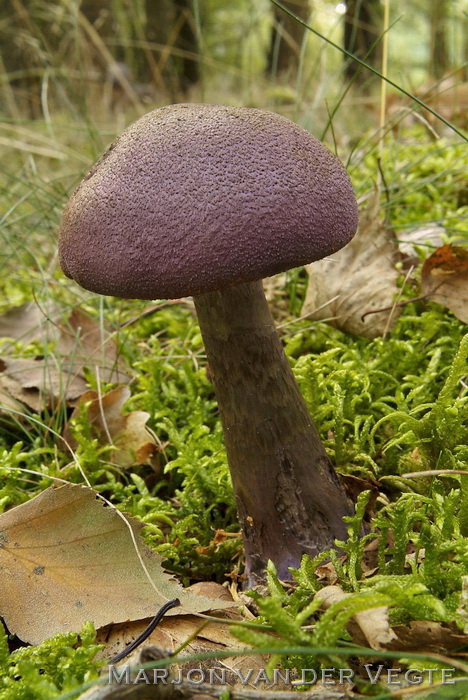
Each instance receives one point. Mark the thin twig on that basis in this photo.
(147, 631)
(397, 301)
(435, 472)
(403, 303)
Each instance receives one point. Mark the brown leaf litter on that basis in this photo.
(59, 377)
(67, 558)
(127, 432)
(444, 279)
(359, 278)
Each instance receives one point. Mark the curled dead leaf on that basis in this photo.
(421, 236)
(196, 635)
(372, 624)
(211, 589)
(169, 636)
(126, 431)
(359, 278)
(28, 323)
(85, 343)
(38, 384)
(426, 635)
(444, 279)
(326, 574)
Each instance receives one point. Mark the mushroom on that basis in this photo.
(205, 201)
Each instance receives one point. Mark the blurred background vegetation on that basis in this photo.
(99, 59)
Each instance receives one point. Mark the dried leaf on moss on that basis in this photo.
(27, 323)
(38, 384)
(444, 279)
(359, 278)
(126, 431)
(59, 377)
(66, 559)
(372, 623)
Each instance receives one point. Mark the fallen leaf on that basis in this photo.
(427, 235)
(372, 623)
(370, 558)
(43, 383)
(210, 589)
(77, 338)
(426, 636)
(27, 323)
(84, 343)
(66, 558)
(126, 431)
(171, 633)
(359, 278)
(12, 397)
(444, 279)
(326, 573)
(39, 384)
(169, 636)
(196, 636)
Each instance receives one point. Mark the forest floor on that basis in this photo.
(110, 398)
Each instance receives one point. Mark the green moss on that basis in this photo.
(60, 664)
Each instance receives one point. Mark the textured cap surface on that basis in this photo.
(192, 198)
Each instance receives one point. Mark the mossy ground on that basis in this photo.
(384, 408)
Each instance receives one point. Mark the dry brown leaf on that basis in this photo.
(211, 589)
(38, 384)
(14, 398)
(43, 383)
(204, 636)
(370, 558)
(326, 573)
(79, 340)
(426, 636)
(427, 235)
(373, 623)
(362, 276)
(27, 323)
(65, 558)
(444, 279)
(171, 633)
(84, 343)
(169, 636)
(126, 431)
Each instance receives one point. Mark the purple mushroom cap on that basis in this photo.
(192, 198)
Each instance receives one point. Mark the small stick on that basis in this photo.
(403, 303)
(147, 631)
(435, 472)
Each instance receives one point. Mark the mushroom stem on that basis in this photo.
(290, 501)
